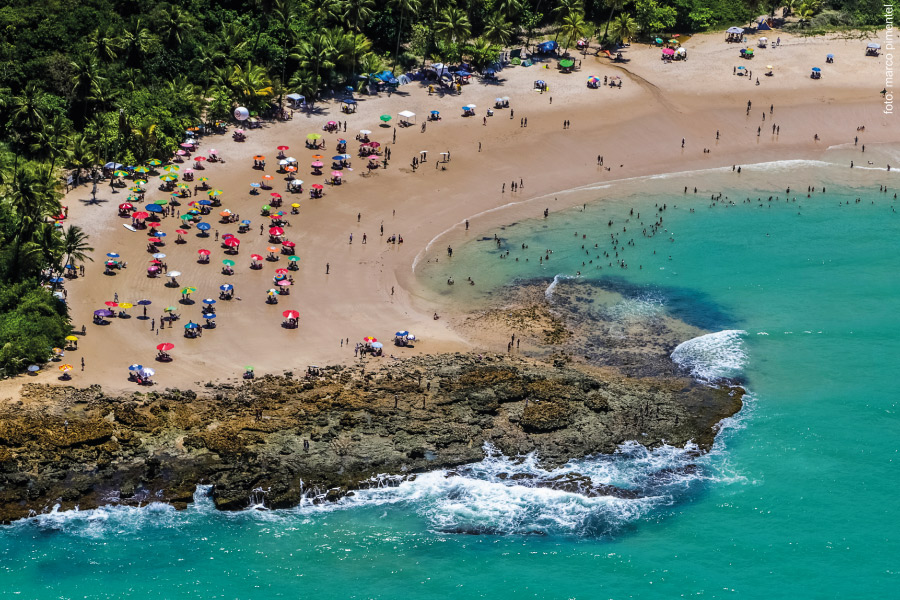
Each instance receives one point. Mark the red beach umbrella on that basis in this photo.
(165, 347)
(281, 271)
(181, 231)
(154, 224)
(255, 257)
(140, 216)
(283, 148)
(203, 252)
(317, 186)
(154, 240)
(291, 314)
(110, 303)
(288, 244)
(232, 242)
(276, 231)
(126, 206)
(276, 195)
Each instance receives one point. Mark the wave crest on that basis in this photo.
(713, 356)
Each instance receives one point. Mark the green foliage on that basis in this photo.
(653, 17)
(32, 323)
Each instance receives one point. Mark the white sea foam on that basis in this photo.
(548, 293)
(713, 356)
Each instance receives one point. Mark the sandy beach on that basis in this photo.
(659, 121)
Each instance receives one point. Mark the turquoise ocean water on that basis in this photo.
(797, 500)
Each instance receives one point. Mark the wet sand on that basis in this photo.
(371, 289)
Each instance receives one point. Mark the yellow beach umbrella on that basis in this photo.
(65, 368)
(171, 168)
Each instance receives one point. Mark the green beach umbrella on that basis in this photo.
(171, 168)
(169, 177)
(385, 118)
(567, 63)
(136, 189)
(187, 217)
(154, 162)
(140, 181)
(293, 258)
(228, 262)
(188, 290)
(313, 136)
(120, 173)
(162, 201)
(203, 179)
(141, 169)
(266, 207)
(216, 192)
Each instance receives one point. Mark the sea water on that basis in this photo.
(797, 498)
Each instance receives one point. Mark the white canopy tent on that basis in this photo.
(407, 115)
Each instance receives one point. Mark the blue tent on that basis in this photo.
(763, 25)
(547, 47)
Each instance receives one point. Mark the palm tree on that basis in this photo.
(50, 245)
(613, 5)
(509, 8)
(174, 25)
(564, 9)
(498, 30)
(251, 83)
(623, 28)
(135, 41)
(50, 141)
(482, 52)
(454, 26)
(80, 153)
(573, 27)
(85, 76)
(103, 46)
(403, 6)
(75, 245)
(314, 55)
(27, 114)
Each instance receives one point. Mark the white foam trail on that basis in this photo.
(712, 356)
(548, 293)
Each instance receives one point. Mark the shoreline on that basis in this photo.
(427, 201)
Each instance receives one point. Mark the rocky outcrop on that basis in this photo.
(281, 439)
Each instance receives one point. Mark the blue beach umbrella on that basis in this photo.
(209, 301)
(153, 208)
(205, 203)
(135, 367)
(34, 368)
(225, 287)
(160, 234)
(829, 56)
(112, 254)
(56, 280)
(254, 185)
(203, 226)
(144, 302)
(191, 326)
(402, 333)
(816, 69)
(209, 316)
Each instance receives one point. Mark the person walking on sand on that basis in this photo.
(327, 268)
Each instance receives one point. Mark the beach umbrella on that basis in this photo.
(377, 345)
(203, 252)
(255, 185)
(365, 131)
(125, 305)
(112, 254)
(293, 258)
(225, 213)
(370, 339)
(34, 368)
(255, 257)
(205, 202)
(160, 234)
(402, 333)
(159, 256)
(103, 312)
(267, 178)
(173, 274)
(187, 217)
(271, 249)
(120, 173)
(71, 338)
(313, 136)
(283, 148)
(816, 69)
(65, 368)
(154, 240)
(154, 208)
(181, 153)
(170, 168)
(203, 226)
(188, 290)
(209, 316)
(232, 242)
(373, 157)
(317, 156)
(272, 292)
(280, 277)
(385, 118)
(152, 269)
(228, 262)
(170, 309)
(341, 157)
(275, 195)
(226, 286)
(567, 63)
(187, 144)
(165, 346)
(136, 189)
(316, 164)
(141, 169)
(281, 271)
(337, 174)
(318, 186)
(148, 372)
(191, 325)
(215, 193)
(874, 45)
(276, 231)
(829, 56)
(200, 158)
(378, 145)
(288, 244)
(144, 302)
(209, 301)
(259, 157)
(226, 236)
(291, 314)
(135, 367)
(110, 303)
(169, 177)
(295, 205)
(290, 169)
(111, 263)
(202, 179)
(245, 222)
(154, 162)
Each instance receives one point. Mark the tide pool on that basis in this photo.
(796, 500)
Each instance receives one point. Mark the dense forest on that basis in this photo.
(83, 82)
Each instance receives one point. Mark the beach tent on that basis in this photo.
(407, 115)
(764, 24)
(547, 47)
(734, 30)
(295, 100)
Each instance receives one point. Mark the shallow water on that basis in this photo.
(796, 499)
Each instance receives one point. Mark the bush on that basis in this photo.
(32, 323)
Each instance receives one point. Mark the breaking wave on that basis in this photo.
(713, 356)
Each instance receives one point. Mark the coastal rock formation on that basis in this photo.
(279, 440)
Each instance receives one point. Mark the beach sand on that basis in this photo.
(371, 289)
